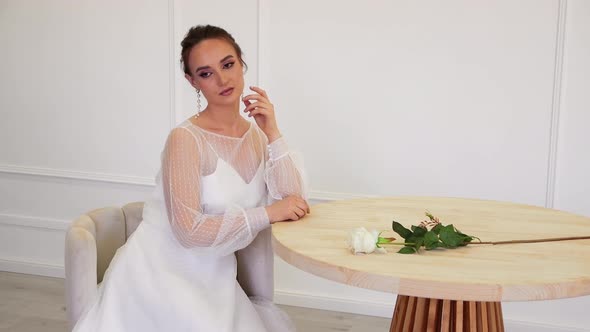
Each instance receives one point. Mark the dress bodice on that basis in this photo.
(225, 186)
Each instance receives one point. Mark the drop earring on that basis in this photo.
(198, 102)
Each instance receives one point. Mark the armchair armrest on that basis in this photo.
(80, 267)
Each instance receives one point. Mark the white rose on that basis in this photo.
(360, 240)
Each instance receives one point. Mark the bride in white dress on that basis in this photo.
(202, 260)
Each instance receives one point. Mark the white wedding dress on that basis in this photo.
(178, 271)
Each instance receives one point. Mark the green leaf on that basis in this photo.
(449, 237)
(418, 231)
(415, 242)
(459, 232)
(439, 236)
(419, 242)
(466, 238)
(401, 230)
(436, 229)
(407, 250)
(434, 246)
(430, 239)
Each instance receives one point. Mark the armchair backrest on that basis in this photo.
(109, 224)
(133, 216)
(91, 242)
(112, 227)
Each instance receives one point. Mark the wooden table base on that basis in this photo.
(418, 314)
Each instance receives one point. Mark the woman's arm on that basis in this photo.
(283, 177)
(181, 180)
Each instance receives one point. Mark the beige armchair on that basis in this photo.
(91, 243)
(94, 237)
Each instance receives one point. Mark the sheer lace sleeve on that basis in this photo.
(284, 171)
(181, 182)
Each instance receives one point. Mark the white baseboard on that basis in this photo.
(33, 268)
(519, 326)
(299, 299)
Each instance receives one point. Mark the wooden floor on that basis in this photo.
(32, 303)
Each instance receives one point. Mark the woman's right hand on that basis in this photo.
(288, 208)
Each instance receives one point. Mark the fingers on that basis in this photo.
(300, 208)
(255, 101)
(257, 111)
(297, 213)
(257, 105)
(308, 209)
(259, 90)
(302, 204)
(256, 98)
(295, 207)
(257, 108)
(261, 97)
(300, 212)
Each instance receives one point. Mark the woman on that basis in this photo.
(208, 223)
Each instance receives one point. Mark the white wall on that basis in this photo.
(460, 98)
(426, 98)
(85, 107)
(573, 163)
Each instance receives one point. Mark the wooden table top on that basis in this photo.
(512, 272)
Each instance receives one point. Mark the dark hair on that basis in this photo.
(199, 33)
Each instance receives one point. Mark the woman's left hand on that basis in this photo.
(259, 106)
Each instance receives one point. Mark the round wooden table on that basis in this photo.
(445, 289)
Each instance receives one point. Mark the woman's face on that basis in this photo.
(217, 71)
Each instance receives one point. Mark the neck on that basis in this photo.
(225, 118)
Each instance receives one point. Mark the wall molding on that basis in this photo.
(76, 175)
(335, 196)
(139, 181)
(34, 222)
(33, 268)
(556, 103)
